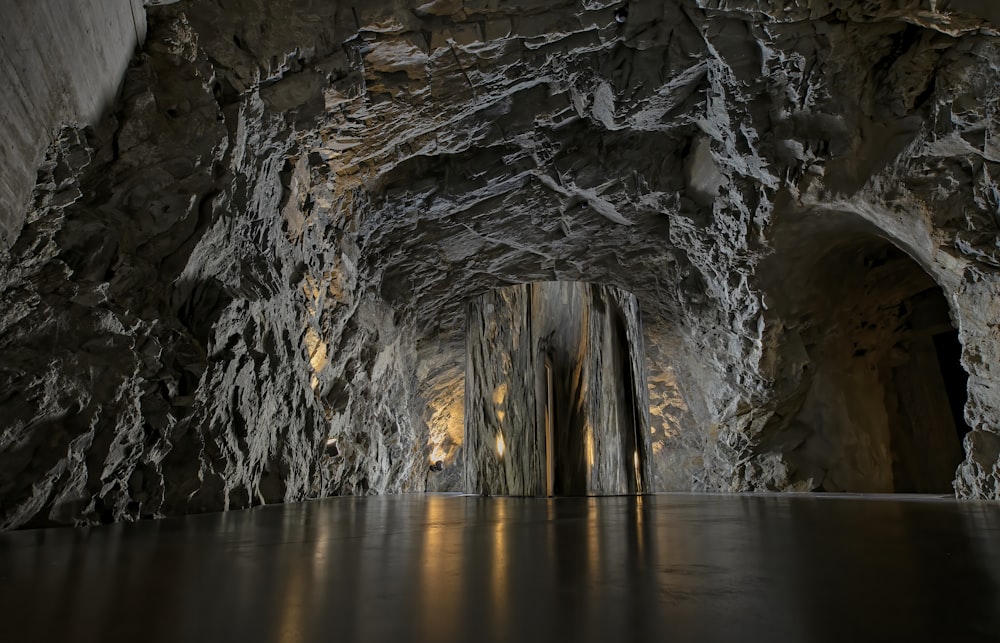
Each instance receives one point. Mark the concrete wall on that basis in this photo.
(61, 61)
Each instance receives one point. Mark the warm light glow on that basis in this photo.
(440, 591)
(593, 539)
(499, 397)
(445, 417)
(666, 404)
(438, 454)
(316, 349)
(590, 447)
(501, 447)
(331, 442)
(311, 289)
(638, 521)
(290, 624)
(501, 563)
(500, 394)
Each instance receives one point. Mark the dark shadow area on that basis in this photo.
(631, 453)
(921, 388)
(569, 455)
(876, 386)
(956, 380)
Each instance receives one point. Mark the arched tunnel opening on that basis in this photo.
(882, 390)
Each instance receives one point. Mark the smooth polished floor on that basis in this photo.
(676, 567)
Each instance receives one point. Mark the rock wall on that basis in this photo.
(246, 283)
(178, 335)
(60, 61)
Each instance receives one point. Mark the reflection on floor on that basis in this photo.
(676, 567)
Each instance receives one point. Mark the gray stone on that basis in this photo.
(555, 392)
(246, 283)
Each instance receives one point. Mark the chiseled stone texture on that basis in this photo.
(247, 284)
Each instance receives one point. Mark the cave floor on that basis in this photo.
(670, 567)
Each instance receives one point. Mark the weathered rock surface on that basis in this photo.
(247, 285)
(555, 392)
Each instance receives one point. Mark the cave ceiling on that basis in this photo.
(470, 145)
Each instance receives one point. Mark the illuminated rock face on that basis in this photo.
(248, 284)
(555, 392)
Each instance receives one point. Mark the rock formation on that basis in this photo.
(555, 392)
(247, 283)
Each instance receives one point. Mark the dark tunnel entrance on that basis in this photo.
(882, 392)
(925, 392)
(956, 380)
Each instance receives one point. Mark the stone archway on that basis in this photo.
(873, 389)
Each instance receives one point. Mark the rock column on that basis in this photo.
(556, 392)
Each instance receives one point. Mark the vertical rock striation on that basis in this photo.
(555, 392)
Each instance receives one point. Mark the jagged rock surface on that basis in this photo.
(229, 292)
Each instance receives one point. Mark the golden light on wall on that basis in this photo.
(313, 292)
(501, 446)
(499, 397)
(445, 420)
(439, 453)
(500, 394)
(590, 447)
(317, 350)
(666, 404)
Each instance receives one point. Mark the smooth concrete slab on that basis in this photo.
(676, 567)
